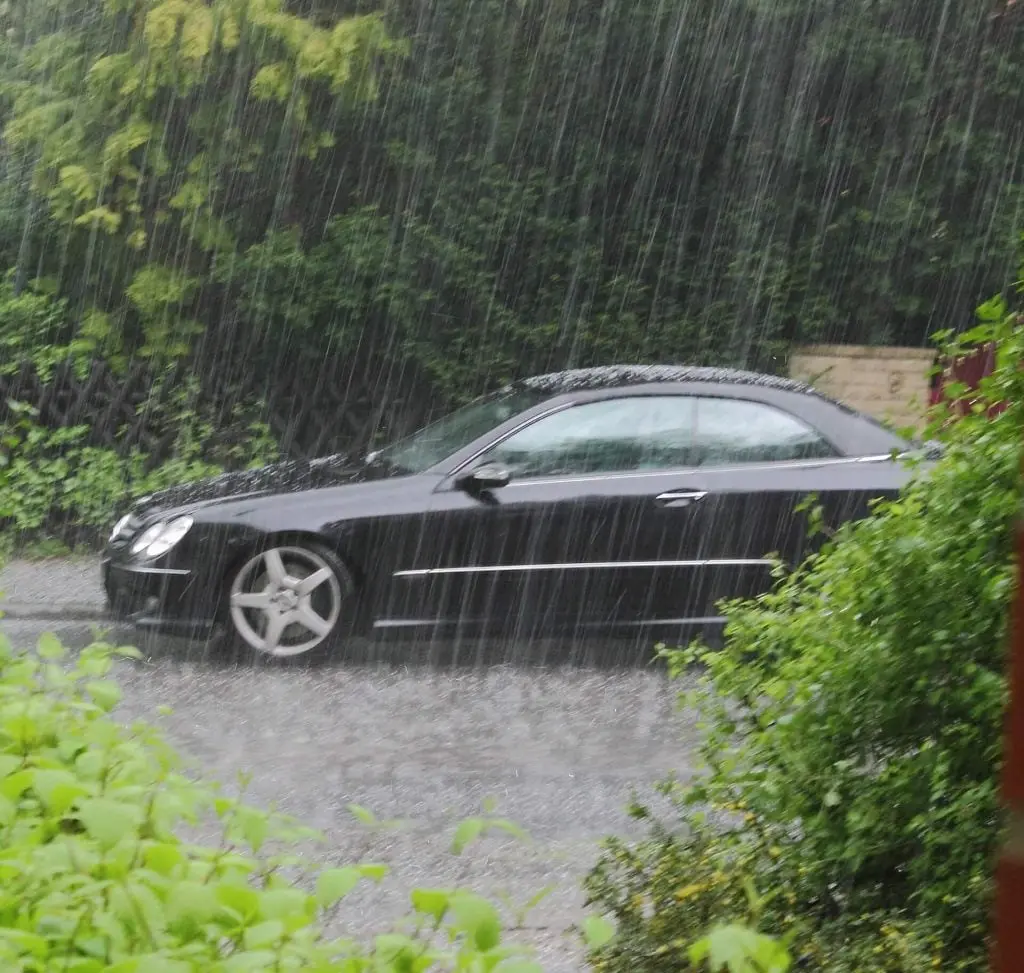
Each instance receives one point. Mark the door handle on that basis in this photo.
(680, 498)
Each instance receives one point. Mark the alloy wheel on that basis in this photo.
(286, 601)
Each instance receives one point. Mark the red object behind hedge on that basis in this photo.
(1008, 941)
(968, 370)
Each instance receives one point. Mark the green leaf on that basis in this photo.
(49, 646)
(9, 763)
(104, 693)
(251, 961)
(58, 789)
(14, 785)
(109, 821)
(391, 948)
(253, 825)
(191, 900)
(264, 934)
(86, 964)
(281, 903)
(739, 949)
(151, 908)
(240, 899)
(361, 814)
(334, 884)
(374, 872)
(467, 832)
(597, 931)
(476, 917)
(90, 764)
(24, 941)
(164, 858)
(431, 902)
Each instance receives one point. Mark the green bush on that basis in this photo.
(53, 481)
(854, 720)
(94, 874)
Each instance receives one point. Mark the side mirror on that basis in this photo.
(489, 476)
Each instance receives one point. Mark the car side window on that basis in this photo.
(728, 431)
(610, 436)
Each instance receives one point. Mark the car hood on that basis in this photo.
(290, 476)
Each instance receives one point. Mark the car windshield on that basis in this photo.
(440, 439)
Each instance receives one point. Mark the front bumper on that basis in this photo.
(170, 600)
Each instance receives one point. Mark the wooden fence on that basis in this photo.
(314, 408)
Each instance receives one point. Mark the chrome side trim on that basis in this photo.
(585, 565)
(696, 471)
(655, 622)
(391, 623)
(134, 570)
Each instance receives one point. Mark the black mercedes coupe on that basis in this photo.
(605, 500)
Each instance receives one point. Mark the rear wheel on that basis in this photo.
(290, 602)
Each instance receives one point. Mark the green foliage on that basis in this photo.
(96, 875)
(35, 328)
(854, 720)
(62, 479)
(160, 133)
(526, 192)
(53, 481)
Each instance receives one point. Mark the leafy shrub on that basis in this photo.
(52, 480)
(94, 874)
(854, 720)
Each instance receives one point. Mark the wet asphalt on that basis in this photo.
(559, 747)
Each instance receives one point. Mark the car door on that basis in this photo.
(753, 466)
(564, 544)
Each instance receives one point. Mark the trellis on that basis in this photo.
(313, 409)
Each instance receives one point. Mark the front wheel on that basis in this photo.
(290, 602)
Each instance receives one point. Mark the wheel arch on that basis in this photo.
(280, 538)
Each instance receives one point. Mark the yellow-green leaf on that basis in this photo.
(104, 693)
(334, 884)
(108, 821)
(49, 646)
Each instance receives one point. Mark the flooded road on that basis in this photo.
(560, 749)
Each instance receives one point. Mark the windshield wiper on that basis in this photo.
(378, 461)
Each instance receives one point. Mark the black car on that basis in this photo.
(603, 500)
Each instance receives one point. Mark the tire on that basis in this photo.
(289, 603)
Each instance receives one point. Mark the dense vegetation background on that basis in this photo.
(440, 194)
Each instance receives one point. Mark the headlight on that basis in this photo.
(161, 537)
(147, 537)
(120, 525)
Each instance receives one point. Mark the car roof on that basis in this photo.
(615, 376)
(856, 431)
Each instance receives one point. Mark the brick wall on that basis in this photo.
(887, 383)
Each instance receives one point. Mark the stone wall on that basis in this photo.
(887, 383)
